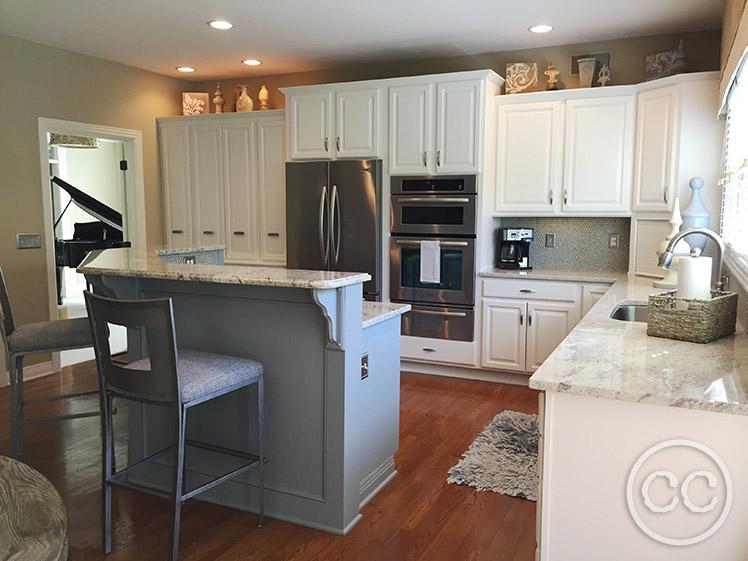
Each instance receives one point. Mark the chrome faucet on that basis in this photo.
(667, 256)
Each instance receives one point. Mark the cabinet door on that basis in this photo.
(504, 334)
(271, 174)
(547, 325)
(528, 162)
(242, 228)
(598, 155)
(411, 129)
(357, 124)
(175, 179)
(591, 293)
(653, 175)
(207, 187)
(310, 126)
(458, 126)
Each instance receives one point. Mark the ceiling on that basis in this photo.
(300, 35)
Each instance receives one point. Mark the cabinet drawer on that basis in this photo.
(423, 349)
(531, 289)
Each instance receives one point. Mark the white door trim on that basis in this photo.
(134, 192)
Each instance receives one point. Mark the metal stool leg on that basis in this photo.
(107, 444)
(178, 480)
(260, 424)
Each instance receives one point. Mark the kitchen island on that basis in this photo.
(331, 380)
(641, 442)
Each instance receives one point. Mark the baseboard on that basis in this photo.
(466, 373)
(31, 372)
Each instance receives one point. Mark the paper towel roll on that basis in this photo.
(695, 277)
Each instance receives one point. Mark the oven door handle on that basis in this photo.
(439, 200)
(443, 244)
(434, 313)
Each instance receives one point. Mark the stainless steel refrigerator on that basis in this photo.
(332, 218)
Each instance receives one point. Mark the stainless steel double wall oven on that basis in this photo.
(439, 208)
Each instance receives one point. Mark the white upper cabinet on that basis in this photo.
(333, 123)
(598, 151)
(175, 178)
(528, 164)
(653, 174)
(271, 176)
(411, 128)
(357, 123)
(207, 178)
(436, 137)
(310, 116)
(567, 152)
(458, 126)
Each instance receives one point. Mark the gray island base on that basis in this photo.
(331, 427)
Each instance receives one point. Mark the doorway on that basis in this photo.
(106, 165)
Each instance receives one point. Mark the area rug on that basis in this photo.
(503, 458)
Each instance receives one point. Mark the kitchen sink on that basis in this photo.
(630, 311)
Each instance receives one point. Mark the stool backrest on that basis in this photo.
(6, 316)
(160, 384)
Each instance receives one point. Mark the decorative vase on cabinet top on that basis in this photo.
(244, 103)
(696, 215)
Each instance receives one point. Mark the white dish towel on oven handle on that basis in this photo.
(430, 261)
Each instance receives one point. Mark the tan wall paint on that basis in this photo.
(39, 81)
(627, 65)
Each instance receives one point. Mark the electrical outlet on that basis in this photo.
(28, 241)
(613, 241)
(550, 240)
(365, 366)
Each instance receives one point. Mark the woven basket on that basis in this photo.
(700, 321)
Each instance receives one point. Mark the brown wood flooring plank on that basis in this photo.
(417, 517)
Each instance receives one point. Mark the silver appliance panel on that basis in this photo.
(439, 322)
(434, 184)
(436, 215)
(457, 286)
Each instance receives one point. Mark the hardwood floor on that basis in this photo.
(418, 516)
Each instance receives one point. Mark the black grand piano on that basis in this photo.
(106, 232)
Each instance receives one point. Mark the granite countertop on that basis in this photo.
(376, 312)
(571, 275)
(136, 262)
(163, 250)
(613, 359)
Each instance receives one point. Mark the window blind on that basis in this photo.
(734, 182)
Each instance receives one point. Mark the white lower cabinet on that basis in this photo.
(504, 334)
(548, 323)
(591, 293)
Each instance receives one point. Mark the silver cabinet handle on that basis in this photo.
(437, 200)
(521, 317)
(664, 194)
(323, 246)
(435, 313)
(429, 350)
(550, 197)
(208, 232)
(273, 235)
(177, 232)
(527, 290)
(326, 147)
(439, 158)
(529, 318)
(443, 244)
(566, 196)
(337, 143)
(425, 164)
(335, 238)
(238, 233)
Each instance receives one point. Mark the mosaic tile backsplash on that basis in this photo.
(581, 243)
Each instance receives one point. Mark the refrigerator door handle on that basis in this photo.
(335, 226)
(324, 245)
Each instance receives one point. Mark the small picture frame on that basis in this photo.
(659, 65)
(195, 103)
(521, 77)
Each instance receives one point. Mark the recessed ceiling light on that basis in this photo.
(252, 62)
(220, 24)
(185, 69)
(543, 28)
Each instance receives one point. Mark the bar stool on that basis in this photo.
(30, 339)
(177, 379)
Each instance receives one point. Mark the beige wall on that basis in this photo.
(38, 81)
(627, 65)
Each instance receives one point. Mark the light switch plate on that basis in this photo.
(365, 366)
(614, 241)
(28, 241)
(550, 240)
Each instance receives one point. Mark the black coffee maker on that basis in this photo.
(514, 248)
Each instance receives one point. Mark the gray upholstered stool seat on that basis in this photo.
(203, 374)
(46, 335)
